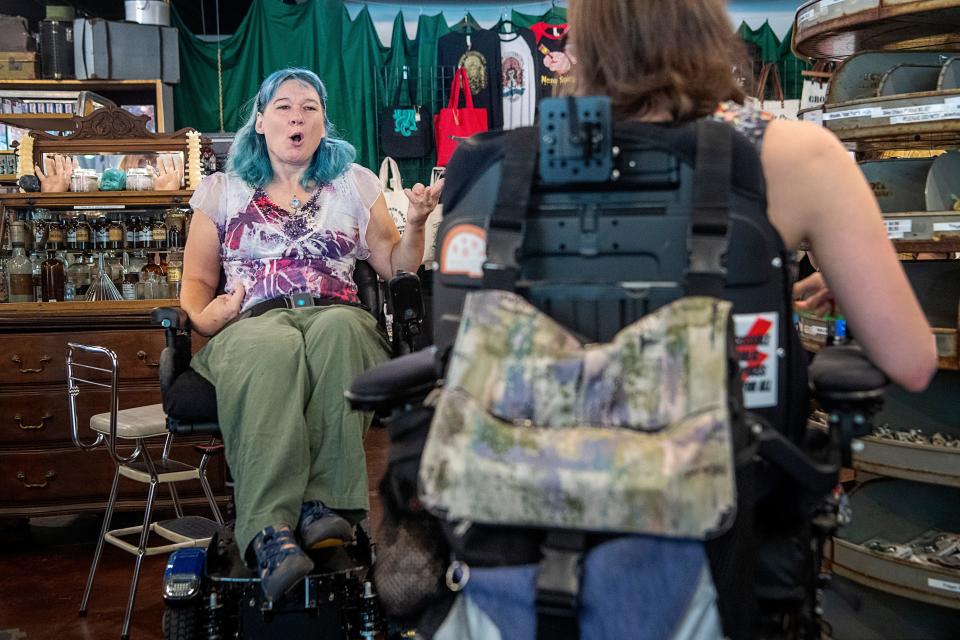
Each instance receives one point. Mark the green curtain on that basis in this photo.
(317, 35)
(556, 15)
(766, 41)
(791, 68)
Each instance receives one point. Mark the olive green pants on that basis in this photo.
(288, 432)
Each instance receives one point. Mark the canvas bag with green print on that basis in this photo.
(405, 128)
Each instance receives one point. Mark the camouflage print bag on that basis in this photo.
(535, 429)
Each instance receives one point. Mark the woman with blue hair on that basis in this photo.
(292, 215)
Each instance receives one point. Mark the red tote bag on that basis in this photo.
(453, 123)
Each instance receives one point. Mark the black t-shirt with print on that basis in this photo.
(482, 62)
(550, 39)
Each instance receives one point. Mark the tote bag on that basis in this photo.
(397, 201)
(405, 128)
(454, 123)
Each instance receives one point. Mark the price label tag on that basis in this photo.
(807, 15)
(83, 207)
(866, 112)
(896, 228)
(944, 585)
(946, 226)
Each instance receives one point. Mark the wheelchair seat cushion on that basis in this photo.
(191, 398)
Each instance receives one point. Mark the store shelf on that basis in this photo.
(103, 314)
(898, 512)
(899, 577)
(39, 121)
(909, 461)
(834, 29)
(99, 200)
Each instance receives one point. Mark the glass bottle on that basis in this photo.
(115, 235)
(144, 233)
(174, 273)
(35, 261)
(101, 233)
(135, 262)
(151, 267)
(78, 276)
(158, 234)
(51, 278)
(129, 286)
(131, 234)
(4, 294)
(19, 268)
(115, 266)
(70, 232)
(84, 233)
(55, 233)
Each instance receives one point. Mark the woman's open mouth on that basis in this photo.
(296, 139)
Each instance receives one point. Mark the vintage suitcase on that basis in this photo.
(18, 65)
(14, 34)
(107, 50)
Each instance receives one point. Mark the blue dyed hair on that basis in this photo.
(248, 156)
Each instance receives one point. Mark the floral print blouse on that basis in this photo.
(274, 252)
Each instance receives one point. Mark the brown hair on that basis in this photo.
(651, 55)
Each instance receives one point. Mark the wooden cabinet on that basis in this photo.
(41, 471)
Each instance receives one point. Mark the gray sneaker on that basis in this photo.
(320, 527)
(281, 563)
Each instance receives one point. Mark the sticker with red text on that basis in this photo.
(756, 338)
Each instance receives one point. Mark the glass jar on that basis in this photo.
(84, 180)
(78, 276)
(140, 179)
(144, 233)
(129, 287)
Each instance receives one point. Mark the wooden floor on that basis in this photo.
(44, 565)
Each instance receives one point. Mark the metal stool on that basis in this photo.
(136, 425)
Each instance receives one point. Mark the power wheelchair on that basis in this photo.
(606, 229)
(210, 592)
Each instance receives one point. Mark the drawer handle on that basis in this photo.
(49, 475)
(44, 359)
(32, 427)
(142, 356)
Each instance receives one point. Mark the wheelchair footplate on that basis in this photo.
(334, 602)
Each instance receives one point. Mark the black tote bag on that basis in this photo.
(405, 128)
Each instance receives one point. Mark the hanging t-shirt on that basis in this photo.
(482, 62)
(553, 64)
(518, 75)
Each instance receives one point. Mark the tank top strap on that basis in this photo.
(749, 119)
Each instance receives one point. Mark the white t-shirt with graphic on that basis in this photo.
(517, 81)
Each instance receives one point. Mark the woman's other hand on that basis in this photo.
(56, 178)
(169, 173)
(813, 295)
(219, 312)
(423, 200)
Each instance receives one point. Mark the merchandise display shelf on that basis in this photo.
(40, 121)
(96, 199)
(909, 461)
(835, 29)
(102, 314)
(898, 512)
(814, 333)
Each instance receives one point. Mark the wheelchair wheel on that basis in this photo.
(182, 623)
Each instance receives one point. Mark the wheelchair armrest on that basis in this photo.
(843, 375)
(850, 389)
(396, 381)
(171, 318)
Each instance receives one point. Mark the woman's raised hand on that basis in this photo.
(57, 175)
(169, 173)
(813, 295)
(423, 200)
(219, 312)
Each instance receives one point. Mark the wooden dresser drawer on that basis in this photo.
(30, 358)
(32, 418)
(70, 475)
